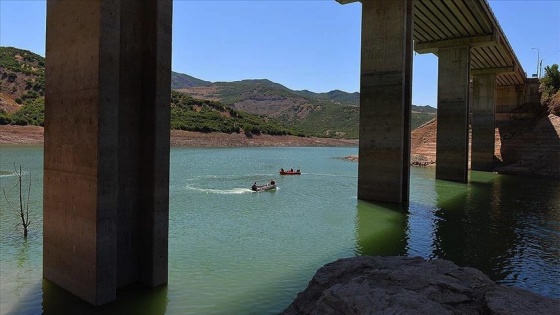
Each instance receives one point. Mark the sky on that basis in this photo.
(313, 45)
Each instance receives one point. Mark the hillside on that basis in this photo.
(22, 78)
(22, 82)
(180, 80)
(523, 147)
(336, 96)
(192, 114)
(331, 114)
(322, 118)
(530, 148)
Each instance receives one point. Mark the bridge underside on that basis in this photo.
(470, 44)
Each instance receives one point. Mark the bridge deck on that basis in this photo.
(450, 23)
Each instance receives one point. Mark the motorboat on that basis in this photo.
(290, 172)
(263, 187)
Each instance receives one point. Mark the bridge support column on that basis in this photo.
(385, 101)
(452, 113)
(509, 98)
(106, 158)
(482, 123)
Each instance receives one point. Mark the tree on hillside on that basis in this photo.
(549, 88)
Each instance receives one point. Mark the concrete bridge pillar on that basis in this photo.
(510, 97)
(482, 123)
(385, 101)
(106, 158)
(452, 113)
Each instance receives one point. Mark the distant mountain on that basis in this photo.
(424, 109)
(316, 114)
(330, 114)
(22, 85)
(337, 96)
(181, 80)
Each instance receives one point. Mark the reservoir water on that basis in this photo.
(233, 251)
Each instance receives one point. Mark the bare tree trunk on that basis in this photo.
(23, 207)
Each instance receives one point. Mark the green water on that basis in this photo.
(233, 251)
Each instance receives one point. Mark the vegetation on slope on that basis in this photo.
(31, 113)
(187, 113)
(550, 89)
(192, 114)
(231, 92)
(336, 96)
(22, 75)
(331, 120)
(331, 114)
(23, 61)
(280, 110)
(181, 80)
(418, 119)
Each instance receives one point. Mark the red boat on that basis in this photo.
(290, 172)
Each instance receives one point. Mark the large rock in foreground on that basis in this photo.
(411, 285)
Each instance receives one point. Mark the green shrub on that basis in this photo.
(32, 113)
(5, 119)
(20, 121)
(198, 115)
(549, 87)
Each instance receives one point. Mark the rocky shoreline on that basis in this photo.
(522, 148)
(412, 285)
(33, 135)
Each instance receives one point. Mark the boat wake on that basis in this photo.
(11, 174)
(330, 175)
(233, 191)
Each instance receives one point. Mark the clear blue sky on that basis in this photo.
(312, 45)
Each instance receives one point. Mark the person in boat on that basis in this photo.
(254, 187)
(291, 170)
(282, 170)
(272, 182)
(297, 171)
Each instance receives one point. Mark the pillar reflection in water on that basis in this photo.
(473, 230)
(134, 299)
(529, 207)
(380, 229)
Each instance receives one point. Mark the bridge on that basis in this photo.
(439, 24)
(107, 121)
(470, 44)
